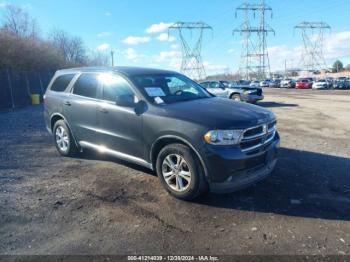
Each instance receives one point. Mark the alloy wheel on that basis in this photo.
(176, 172)
(62, 138)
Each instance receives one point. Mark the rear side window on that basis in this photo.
(60, 84)
(86, 85)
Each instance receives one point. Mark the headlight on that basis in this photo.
(223, 137)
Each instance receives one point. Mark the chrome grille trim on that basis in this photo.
(263, 138)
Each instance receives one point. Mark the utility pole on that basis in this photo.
(285, 68)
(255, 61)
(312, 35)
(192, 64)
(112, 57)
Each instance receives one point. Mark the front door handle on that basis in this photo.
(67, 103)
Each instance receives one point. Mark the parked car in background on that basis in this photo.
(243, 83)
(275, 83)
(341, 83)
(288, 83)
(233, 90)
(255, 83)
(164, 121)
(265, 83)
(303, 84)
(321, 84)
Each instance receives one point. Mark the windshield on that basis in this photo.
(167, 89)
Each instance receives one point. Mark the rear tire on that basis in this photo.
(236, 97)
(180, 172)
(63, 138)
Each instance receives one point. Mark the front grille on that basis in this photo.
(256, 137)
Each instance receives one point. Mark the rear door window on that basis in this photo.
(61, 83)
(86, 85)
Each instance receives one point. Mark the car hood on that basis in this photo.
(219, 113)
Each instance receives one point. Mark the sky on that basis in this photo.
(137, 29)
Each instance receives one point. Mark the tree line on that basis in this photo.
(23, 48)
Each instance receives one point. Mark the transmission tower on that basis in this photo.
(255, 61)
(312, 34)
(192, 64)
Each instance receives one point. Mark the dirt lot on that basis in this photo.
(98, 205)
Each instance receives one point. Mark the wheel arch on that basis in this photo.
(235, 93)
(163, 141)
(56, 117)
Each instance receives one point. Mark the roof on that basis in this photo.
(126, 70)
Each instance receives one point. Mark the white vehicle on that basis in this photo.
(321, 84)
(265, 83)
(288, 83)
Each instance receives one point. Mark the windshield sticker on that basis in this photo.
(158, 100)
(154, 91)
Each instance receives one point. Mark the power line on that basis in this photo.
(254, 56)
(192, 63)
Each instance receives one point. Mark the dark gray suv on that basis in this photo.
(164, 121)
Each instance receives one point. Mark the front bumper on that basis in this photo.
(231, 169)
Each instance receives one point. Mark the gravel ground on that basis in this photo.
(98, 205)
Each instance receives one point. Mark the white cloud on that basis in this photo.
(231, 51)
(132, 54)
(214, 68)
(174, 46)
(169, 58)
(104, 34)
(164, 37)
(103, 47)
(108, 13)
(337, 45)
(158, 28)
(135, 40)
(3, 4)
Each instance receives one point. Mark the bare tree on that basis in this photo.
(98, 59)
(17, 21)
(71, 47)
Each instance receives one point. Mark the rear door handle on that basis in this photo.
(103, 110)
(67, 103)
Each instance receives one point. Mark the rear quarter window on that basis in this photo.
(61, 83)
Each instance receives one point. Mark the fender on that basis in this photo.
(186, 143)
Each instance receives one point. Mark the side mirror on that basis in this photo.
(140, 107)
(125, 101)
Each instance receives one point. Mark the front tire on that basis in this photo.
(180, 172)
(63, 139)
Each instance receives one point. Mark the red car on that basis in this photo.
(303, 84)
